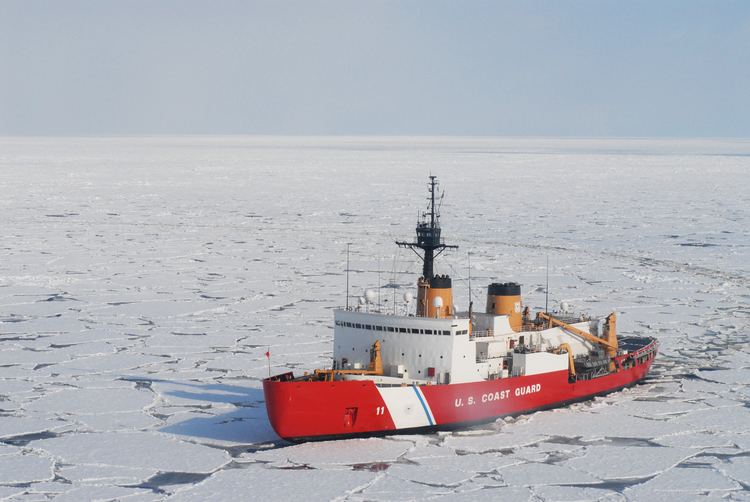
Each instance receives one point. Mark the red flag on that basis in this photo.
(268, 354)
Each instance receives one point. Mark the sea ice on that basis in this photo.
(683, 482)
(277, 484)
(559, 493)
(142, 280)
(494, 442)
(92, 401)
(135, 450)
(627, 462)
(13, 426)
(107, 493)
(24, 468)
(348, 452)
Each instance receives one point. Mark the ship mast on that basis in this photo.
(428, 236)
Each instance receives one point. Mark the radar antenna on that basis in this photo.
(428, 234)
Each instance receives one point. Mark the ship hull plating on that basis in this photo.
(315, 410)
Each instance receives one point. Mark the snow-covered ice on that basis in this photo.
(143, 279)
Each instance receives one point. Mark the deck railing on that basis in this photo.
(486, 333)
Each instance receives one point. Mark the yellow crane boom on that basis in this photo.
(610, 342)
(571, 363)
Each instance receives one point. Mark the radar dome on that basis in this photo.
(370, 295)
(408, 297)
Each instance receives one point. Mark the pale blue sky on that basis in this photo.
(676, 68)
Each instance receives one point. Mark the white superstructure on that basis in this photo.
(448, 350)
(439, 345)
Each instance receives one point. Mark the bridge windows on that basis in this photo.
(397, 329)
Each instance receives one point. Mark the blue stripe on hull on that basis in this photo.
(424, 405)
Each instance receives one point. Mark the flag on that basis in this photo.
(268, 353)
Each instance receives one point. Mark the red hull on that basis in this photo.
(304, 410)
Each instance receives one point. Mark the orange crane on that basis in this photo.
(610, 343)
(564, 347)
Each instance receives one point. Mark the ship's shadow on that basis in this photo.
(246, 424)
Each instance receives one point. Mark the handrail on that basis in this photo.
(486, 333)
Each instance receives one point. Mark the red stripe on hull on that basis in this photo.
(309, 409)
(306, 410)
(478, 401)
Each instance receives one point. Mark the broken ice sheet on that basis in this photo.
(697, 439)
(133, 449)
(684, 482)
(111, 363)
(430, 474)
(627, 462)
(493, 442)
(603, 422)
(19, 468)
(181, 392)
(276, 484)
(387, 488)
(12, 426)
(123, 421)
(736, 468)
(92, 401)
(534, 473)
(227, 426)
(100, 474)
(448, 470)
(6, 492)
(561, 493)
(190, 271)
(343, 452)
(731, 420)
(107, 493)
(471, 491)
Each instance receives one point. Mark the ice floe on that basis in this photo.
(142, 280)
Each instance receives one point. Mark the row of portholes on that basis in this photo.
(392, 329)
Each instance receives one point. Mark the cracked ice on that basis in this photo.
(143, 280)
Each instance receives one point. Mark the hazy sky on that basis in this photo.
(555, 68)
